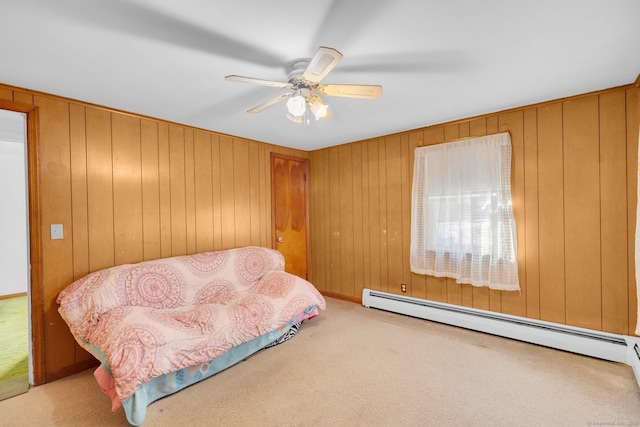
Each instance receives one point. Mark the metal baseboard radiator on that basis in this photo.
(612, 347)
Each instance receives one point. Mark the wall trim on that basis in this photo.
(72, 369)
(9, 296)
(357, 300)
(35, 241)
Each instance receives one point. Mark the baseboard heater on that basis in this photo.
(612, 347)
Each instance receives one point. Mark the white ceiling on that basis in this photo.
(437, 60)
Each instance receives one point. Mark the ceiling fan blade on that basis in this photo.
(427, 61)
(270, 103)
(150, 21)
(322, 62)
(352, 91)
(261, 82)
(345, 21)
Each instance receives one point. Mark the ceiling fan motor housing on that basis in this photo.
(295, 70)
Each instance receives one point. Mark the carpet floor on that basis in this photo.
(14, 339)
(353, 366)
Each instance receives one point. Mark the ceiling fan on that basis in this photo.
(304, 77)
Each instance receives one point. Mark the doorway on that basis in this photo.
(290, 205)
(14, 256)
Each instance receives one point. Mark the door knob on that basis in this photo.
(280, 239)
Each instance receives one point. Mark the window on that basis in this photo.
(462, 223)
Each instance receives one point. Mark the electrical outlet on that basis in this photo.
(403, 287)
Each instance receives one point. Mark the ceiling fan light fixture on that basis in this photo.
(294, 119)
(304, 77)
(297, 105)
(318, 109)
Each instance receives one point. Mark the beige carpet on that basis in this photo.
(354, 366)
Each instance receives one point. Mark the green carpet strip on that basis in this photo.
(14, 342)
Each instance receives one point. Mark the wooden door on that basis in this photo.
(289, 216)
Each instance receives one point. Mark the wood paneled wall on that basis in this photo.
(128, 188)
(574, 197)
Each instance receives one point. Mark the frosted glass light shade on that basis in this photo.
(319, 109)
(297, 105)
(295, 119)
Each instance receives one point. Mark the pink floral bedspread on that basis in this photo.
(160, 316)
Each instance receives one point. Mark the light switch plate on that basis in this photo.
(56, 231)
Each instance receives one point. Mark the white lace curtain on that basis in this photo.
(462, 223)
